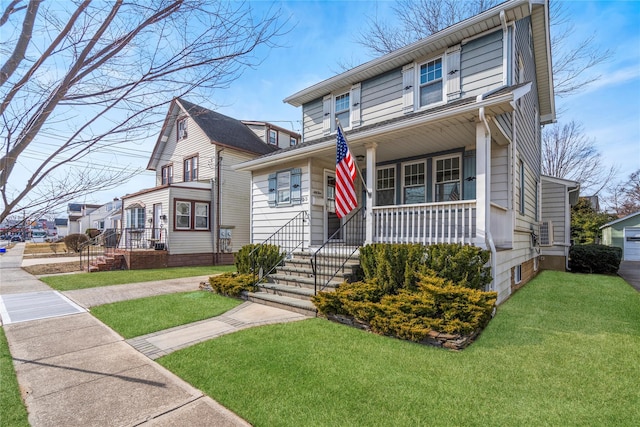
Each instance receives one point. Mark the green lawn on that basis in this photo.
(12, 410)
(564, 350)
(146, 315)
(69, 282)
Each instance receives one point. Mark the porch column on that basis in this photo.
(483, 183)
(370, 190)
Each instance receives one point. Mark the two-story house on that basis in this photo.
(447, 134)
(198, 211)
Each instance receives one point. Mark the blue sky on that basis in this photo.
(323, 36)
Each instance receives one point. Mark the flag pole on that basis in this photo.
(364, 184)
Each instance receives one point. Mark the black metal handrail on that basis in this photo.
(96, 246)
(338, 250)
(144, 238)
(288, 238)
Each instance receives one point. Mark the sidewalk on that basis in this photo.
(75, 371)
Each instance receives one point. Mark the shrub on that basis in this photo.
(464, 265)
(595, 259)
(92, 232)
(74, 241)
(398, 266)
(266, 256)
(232, 284)
(435, 304)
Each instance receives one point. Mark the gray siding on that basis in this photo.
(312, 120)
(554, 210)
(381, 97)
(481, 65)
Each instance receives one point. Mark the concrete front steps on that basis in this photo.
(293, 284)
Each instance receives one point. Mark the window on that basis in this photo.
(273, 137)
(293, 141)
(447, 179)
(135, 217)
(342, 109)
(192, 215)
(431, 87)
(202, 216)
(517, 274)
(521, 187)
(285, 187)
(183, 215)
(386, 186)
(167, 174)
(191, 169)
(181, 129)
(414, 183)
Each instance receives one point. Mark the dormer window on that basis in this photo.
(293, 141)
(431, 82)
(181, 127)
(273, 137)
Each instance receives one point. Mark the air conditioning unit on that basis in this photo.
(546, 233)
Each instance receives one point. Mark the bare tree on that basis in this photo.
(573, 62)
(81, 77)
(625, 196)
(568, 153)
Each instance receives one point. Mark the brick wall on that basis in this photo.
(528, 273)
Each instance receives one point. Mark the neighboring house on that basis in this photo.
(554, 237)
(624, 233)
(198, 211)
(274, 135)
(105, 217)
(78, 217)
(447, 133)
(61, 227)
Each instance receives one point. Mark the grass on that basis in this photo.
(563, 350)
(108, 278)
(45, 248)
(146, 315)
(12, 409)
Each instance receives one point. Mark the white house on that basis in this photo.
(198, 211)
(447, 134)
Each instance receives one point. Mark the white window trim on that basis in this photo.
(195, 215)
(395, 181)
(293, 141)
(435, 171)
(417, 85)
(181, 132)
(424, 162)
(517, 274)
(275, 133)
(177, 214)
(278, 189)
(334, 111)
(354, 112)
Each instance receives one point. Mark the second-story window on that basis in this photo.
(342, 109)
(167, 174)
(293, 141)
(431, 87)
(273, 137)
(191, 169)
(181, 127)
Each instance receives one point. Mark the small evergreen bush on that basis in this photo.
(267, 256)
(232, 284)
(595, 259)
(92, 232)
(74, 241)
(464, 265)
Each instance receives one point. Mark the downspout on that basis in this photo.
(488, 238)
(216, 236)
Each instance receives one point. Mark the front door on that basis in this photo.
(157, 213)
(332, 222)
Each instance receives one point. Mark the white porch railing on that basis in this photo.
(427, 223)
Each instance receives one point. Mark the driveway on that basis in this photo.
(630, 271)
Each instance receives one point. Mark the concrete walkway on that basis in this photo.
(75, 371)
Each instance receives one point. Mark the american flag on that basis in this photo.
(345, 177)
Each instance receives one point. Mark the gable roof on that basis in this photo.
(492, 18)
(220, 129)
(609, 224)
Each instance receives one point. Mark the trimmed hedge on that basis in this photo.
(232, 284)
(595, 259)
(435, 304)
(398, 266)
(266, 257)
